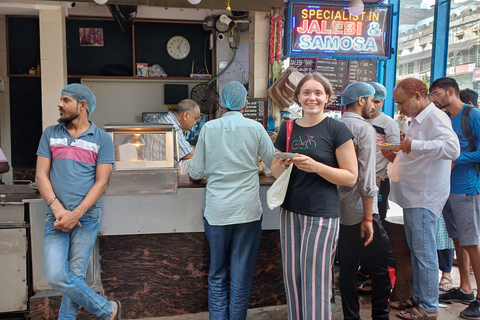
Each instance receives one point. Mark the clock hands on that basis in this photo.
(179, 45)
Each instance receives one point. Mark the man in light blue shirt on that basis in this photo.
(227, 154)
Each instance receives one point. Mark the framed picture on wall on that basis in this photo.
(91, 37)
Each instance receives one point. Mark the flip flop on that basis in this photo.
(118, 316)
(404, 304)
(362, 277)
(365, 287)
(445, 284)
(416, 313)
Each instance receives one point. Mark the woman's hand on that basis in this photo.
(305, 163)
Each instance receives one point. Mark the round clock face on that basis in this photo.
(178, 47)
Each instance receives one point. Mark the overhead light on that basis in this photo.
(194, 1)
(101, 1)
(356, 7)
(137, 140)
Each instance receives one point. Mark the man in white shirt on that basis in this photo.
(420, 184)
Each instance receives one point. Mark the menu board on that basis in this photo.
(255, 107)
(305, 65)
(334, 70)
(340, 73)
(361, 70)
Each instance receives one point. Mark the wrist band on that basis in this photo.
(367, 220)
(51, 201)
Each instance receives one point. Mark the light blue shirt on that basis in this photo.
(227, 153)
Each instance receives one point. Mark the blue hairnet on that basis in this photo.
(233, 95)
(380, 90)
(355, 91)
(81, 93)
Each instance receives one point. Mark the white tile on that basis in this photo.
(50, 110)
(53, 77)
(260, 89)
(3, 36)
(52, 41)
(261, 60)
(51, 16)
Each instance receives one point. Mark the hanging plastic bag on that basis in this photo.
(278, 190)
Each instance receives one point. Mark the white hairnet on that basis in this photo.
(81, 93)
(380, 90)
(355, 91)
(234, 96)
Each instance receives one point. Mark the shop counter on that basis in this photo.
(152, 254)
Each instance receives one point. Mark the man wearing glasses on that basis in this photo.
(462, 210)
(420, 184)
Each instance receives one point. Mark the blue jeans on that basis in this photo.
(421, 232)
(67, 255)
(233, 246)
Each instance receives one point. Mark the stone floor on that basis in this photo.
(447, 312)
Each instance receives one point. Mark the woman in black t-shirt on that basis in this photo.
(310, 214)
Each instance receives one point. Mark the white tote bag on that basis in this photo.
(278, 190)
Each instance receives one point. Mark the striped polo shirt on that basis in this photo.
(74, 161)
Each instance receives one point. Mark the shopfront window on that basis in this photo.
(463, 56)
(415, 38)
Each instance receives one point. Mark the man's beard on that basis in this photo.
(71, 117)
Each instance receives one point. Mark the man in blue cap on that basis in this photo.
(74, 162)
(387, 133)
(359, 213)
(227, 154)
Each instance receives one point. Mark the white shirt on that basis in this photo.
(2, 156)
(421, 179)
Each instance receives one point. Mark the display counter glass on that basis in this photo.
(145, 159)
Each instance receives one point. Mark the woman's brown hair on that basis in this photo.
(319, 78)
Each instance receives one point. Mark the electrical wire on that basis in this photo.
(231, 61)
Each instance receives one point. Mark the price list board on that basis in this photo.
(336, 71)
(305, 65)
(361, 70)
(257, 110)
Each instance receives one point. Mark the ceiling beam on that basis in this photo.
(236, 5)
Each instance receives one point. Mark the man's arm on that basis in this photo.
(441, 142)
(69, 221)
(45, 186)
(197, 163)
(189, 156)
(4, 167)
(367, 185)
(467, 157)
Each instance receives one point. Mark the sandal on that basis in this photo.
(365, 287)
(445, 284)
(118, 316)
(404, 304)
(417, 313)
(362, 277)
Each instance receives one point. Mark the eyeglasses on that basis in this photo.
(435, 94)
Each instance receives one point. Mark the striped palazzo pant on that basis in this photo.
(308, 250)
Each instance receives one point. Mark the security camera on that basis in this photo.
(226, 20)
(71, 4)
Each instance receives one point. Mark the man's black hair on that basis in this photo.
(445, 83)
(468, 95)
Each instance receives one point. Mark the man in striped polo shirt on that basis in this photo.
(74, 162)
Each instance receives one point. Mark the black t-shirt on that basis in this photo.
(309, 193)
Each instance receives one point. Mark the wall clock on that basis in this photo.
(178, 47)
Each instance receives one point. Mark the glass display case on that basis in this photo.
(145, 158)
